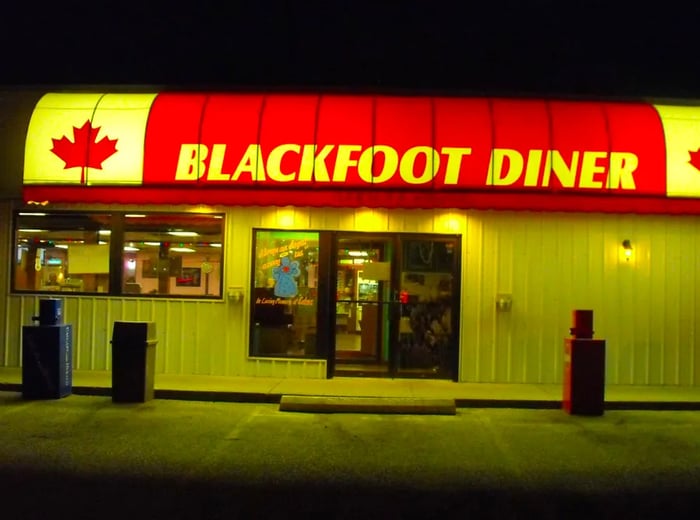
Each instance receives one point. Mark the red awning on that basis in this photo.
(358, 151)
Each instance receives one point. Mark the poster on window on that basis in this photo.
(286, 262)
(285, 293)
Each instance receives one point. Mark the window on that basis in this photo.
(62, 252)
(172, 254)
(154, 254)
(285, 293)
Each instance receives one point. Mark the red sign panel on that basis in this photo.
(396, 151)
(404, 143)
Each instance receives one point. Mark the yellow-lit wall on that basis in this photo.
(646, 308)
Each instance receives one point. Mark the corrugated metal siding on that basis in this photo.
(647, 309)
(194, 337)
(201, 337)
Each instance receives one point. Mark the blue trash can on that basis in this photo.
(47, 361)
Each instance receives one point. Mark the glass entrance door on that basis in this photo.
(363, 292)
(396, 308)
(428, 316)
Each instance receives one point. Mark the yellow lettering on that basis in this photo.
(274, 162)
(216, 163)
(407, 165)
(252, 163)
(313, 165)
(590, 168)
(565, 173)
(343, 161)
(454, 162)
(496, 175)
(532, 170)
(190, 163)
(364, 165)
(622, 166)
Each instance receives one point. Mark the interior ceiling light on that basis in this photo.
(358, 253)
(135, 215)
(131, 248)
(151, 244)
(105, 232)
(182, 249)
(215, 244)
(32, 214)
(183, 233)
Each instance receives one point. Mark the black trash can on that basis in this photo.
(133, 361)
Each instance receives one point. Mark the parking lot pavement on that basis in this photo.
(176, 459)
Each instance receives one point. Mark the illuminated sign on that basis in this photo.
(682, 135)
(230, 144)
(87, 139)
(420, 165)
(422, 144)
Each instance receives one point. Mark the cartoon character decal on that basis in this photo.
(284, 276)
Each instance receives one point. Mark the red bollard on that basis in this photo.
(584, 368)
(583, 324)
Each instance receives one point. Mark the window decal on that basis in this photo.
(284, 276)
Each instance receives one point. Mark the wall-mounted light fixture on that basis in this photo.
(627, 246)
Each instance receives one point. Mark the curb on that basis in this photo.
(265, 398)
(213, 395)
(508, 403)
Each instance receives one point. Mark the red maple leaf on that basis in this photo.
(695, 158)
(85, 151)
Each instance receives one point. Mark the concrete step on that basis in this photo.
(386, 405)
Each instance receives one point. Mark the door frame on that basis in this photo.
(393, 305)
(361, 236)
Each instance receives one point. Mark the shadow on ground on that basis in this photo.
(32, 494)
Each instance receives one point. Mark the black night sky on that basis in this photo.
(608, 49)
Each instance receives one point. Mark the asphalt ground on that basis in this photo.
(87, 457)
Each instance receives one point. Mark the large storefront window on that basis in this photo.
(156, 254)
(172, 254)
(66, 252)
(285, 293)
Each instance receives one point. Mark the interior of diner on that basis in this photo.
(394, 305)
(157, 254)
